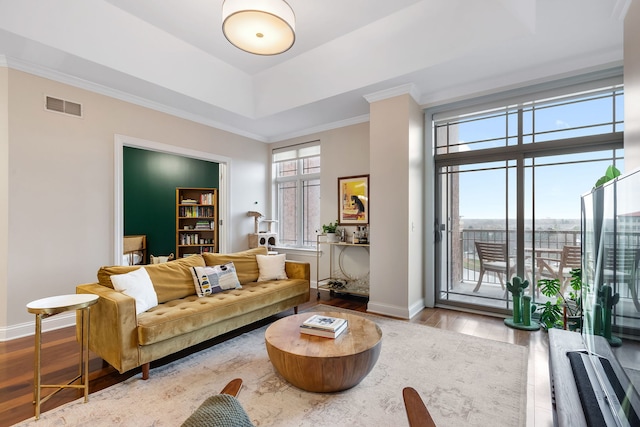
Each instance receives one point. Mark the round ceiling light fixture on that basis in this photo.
(262, 27)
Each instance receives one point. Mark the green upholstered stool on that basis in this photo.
(220, 410)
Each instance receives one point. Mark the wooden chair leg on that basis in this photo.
(479, 281)
(634, 292)
(233, 387)
(417, 412)
(295, 310)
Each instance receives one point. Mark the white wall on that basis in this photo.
(632, 87)
(345, 152)
(4, 190)
(60, 175)
(396, 207)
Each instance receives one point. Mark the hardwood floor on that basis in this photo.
(60, 361)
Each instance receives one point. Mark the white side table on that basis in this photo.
(51, 306)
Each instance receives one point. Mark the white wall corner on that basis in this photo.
(3, 61)
(620, 9)
(410, 89)
(416, 307)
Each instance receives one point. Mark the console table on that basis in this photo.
(344, 282)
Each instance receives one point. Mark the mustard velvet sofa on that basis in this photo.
(182, 319)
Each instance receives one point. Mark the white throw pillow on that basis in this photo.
(271, 267)
(137, 284)
(211, 280)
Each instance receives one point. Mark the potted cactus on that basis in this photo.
(522, 307)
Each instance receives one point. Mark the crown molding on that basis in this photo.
(620, 9)
(325, 127)
(410, 89)
(59, 77)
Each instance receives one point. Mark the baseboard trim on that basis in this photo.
(388, 310)
(416, 307)
(26, 329)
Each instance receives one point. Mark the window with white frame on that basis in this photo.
(296, 171)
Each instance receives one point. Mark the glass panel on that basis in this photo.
(574, 115)
(552, 219)
(574, 133)
(288, 203)
(476, 229)
(442, 142)
(611, 257)
(284, 155)
(289, 168)
(311, 211)
(475, 133)
(311, 165)
(309, 151)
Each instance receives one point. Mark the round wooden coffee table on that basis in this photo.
(323, 364)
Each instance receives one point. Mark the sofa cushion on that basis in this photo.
(171, 280)
(245, 262)
(211, 280)
(137, 284)
(271, 267)
(191, 313)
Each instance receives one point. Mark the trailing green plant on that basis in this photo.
(611, 174)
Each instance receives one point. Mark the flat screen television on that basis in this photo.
(610, 302)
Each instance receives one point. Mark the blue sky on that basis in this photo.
(560, 181)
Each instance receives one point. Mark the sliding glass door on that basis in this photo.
(508, 185)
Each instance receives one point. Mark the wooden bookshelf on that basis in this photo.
(196, 221)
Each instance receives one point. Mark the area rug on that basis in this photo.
(464, 381)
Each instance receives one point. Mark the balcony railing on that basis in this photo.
(470, 265)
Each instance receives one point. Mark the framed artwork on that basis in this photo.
(353, 200)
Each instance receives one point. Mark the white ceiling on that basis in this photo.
(171, 54)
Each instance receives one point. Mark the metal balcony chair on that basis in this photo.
(493, 257)
(552, 268)
(621, 266)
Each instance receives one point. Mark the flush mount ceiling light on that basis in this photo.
(263, 27)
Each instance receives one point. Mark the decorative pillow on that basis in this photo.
(211, 280)
(271, 267)
(137, 284)
(171, 280)
(245, 262)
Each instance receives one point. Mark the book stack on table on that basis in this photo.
(323, 326)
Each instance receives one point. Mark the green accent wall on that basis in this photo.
(149, 186)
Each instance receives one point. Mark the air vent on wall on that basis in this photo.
(62, 106)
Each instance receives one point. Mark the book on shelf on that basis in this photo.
(327, 323)
(324, 332)
(203, 225)
(189, 201)
(206, 199)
